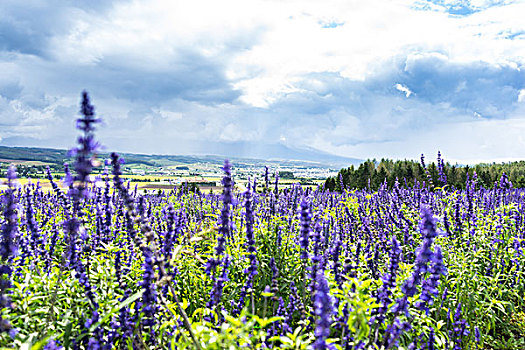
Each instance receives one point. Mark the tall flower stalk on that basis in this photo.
(78, 191)
(251, 270)
(84, 163)
(8, 246)
(323, 308)
(223, 234)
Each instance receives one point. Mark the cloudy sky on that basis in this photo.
(363, 79)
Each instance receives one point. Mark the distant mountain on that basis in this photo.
(55, 156)
(241, 153)
(280, 153)
(49, 155)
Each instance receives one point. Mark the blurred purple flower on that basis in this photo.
(323, 309)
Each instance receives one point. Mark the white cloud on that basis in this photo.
(404, 89)
(170, 115)
(480, 141)
(267, 45)
(521, 96)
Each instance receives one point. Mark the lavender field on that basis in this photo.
(111, 267)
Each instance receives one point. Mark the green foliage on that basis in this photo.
(408, 172)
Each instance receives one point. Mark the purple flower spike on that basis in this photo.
(84, 160)
(431, 339)
(424, 255)
(504, 182)
(9, 228)
(8, 247)
(225, 225)
(305, 218)
(323, 310)
(53, 345)
(427, 225)
(227, 200)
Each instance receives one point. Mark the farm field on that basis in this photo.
(152, 183)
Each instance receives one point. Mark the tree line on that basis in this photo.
(372, 174)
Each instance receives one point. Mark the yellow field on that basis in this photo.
(152, 183)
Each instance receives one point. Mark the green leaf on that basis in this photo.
(114, 310)
(67, 335)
